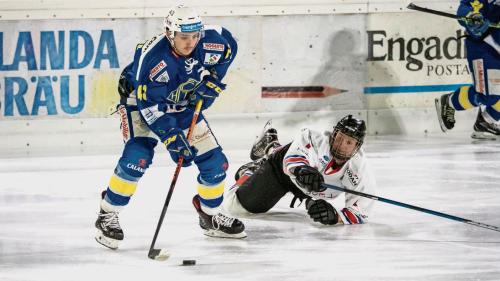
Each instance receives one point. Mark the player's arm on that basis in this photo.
(218, 54)
(300, 163)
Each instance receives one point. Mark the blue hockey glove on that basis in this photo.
(208, 90)
(177, 145)
(476, 25)
(322, 211)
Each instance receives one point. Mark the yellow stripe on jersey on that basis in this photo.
(121, 186)
(210, 192)
(463, 97)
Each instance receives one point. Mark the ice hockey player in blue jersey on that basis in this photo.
(170, 73)
(483, 56)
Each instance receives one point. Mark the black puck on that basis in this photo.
(188, 262)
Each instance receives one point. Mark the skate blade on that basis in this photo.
(483, 136)
(220, 234)
(437, 102)
(107, 242)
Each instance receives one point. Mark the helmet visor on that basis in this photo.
(343, 146)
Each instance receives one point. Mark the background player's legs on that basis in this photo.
(485, 66)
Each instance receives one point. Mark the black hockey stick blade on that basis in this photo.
(159, 254)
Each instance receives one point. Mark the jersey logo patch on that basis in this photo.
(163, 78)
(155, 70)
(213, 47)
(211, 58)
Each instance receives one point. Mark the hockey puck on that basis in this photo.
(188, 262)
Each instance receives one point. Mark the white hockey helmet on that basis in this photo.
(182, 19)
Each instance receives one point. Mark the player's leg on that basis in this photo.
(212, 165)
(256, 190)
(137, 155)
(486, 72)
(465, 97)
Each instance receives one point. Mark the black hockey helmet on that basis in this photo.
(347, 137)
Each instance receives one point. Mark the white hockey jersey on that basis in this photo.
(312, 148)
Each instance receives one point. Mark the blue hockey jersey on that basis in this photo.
(162, 79)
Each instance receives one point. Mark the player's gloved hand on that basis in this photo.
(208, 90)
(124, 86)
(476, 25)
(309, 178)
(322, 211)
(177, 145)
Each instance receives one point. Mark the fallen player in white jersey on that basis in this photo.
(301, 167)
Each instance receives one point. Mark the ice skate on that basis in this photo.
(446, 113)
(219, 225)
(265, 142)
(109, 232)
(485, 130)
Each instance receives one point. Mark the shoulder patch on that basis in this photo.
(157, 69)
(213, 47)
(211, 58)
(163, 78)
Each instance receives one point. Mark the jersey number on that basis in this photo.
(141, 92)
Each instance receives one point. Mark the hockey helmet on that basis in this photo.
(182, 19)
(347, 137)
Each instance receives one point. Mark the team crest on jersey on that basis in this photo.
(211, 58)
(155, 70)
(213, 47)
(182, 91)
(190, 63)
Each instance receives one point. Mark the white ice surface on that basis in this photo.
(48, 206)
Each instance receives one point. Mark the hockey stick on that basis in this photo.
(416, 208)
(412, 6)
(163, 254)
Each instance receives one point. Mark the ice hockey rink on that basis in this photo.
(48, 206)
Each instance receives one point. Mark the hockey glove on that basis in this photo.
(322, 211)
(124, 86)
(177, 146)
(309, 178)
(208, 90)
(476, 25)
